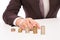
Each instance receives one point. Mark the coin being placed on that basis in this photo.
(27, 29)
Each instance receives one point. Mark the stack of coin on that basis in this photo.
(43, 30)
(35, 30)
(19, 30)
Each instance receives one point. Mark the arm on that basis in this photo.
(10, 16)
(11, 12)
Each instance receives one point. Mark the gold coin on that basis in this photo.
(19, 30)
(35, 30)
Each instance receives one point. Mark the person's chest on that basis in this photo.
(34, 7)
(36, 2)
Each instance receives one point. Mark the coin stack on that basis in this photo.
(34, 30)
(43, 30)
(19, 30)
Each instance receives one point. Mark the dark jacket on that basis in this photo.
(31, 8)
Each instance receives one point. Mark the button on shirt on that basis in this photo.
(46, 10)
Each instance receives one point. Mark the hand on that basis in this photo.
(27, 22)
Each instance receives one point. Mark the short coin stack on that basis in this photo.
(35, 30)
(19, 30)
(12, 30)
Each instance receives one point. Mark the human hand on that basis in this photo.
(27, 22)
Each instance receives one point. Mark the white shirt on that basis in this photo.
(46, 9)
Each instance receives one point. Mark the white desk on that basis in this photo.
(52, 31)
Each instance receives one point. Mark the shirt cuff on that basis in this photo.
(14, 22)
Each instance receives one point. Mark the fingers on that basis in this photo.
(34, 23)
(23, 25)
(38, 26)
(29, 22)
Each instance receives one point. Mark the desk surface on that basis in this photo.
(52, 31)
